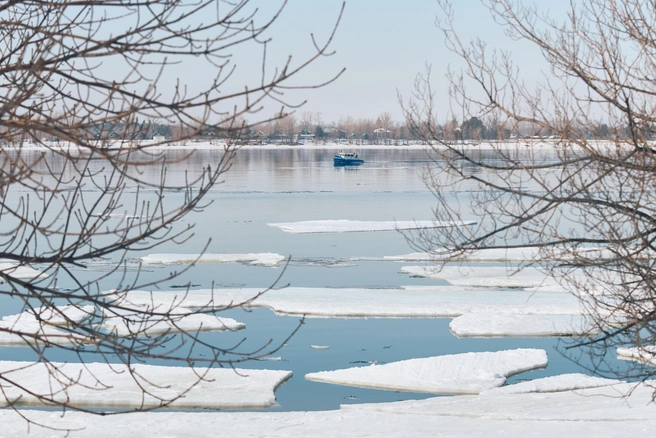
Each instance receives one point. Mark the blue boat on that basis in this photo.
(347, 159)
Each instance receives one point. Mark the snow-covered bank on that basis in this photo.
(349, 226)
(264, 259)
(599, 412)
(466, 373)
(102, 385)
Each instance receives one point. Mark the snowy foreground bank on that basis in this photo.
(598, 411)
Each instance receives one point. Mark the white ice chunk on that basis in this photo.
(495, 324)
(467, 373)
(645, 354)
(487, 276)
(155, 321)
(560, 383)
(21, 272)
(320, 347)
(348, 226)
(264, 259)
(17, 330)
(428, 302)
(102, 385)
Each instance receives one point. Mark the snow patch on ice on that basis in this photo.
(409, 302)
(25, 328)
(645, 354)
(467, 373)
(151, 321)
(560, 383)
(349, 226)
(264, 259)
(83, 385)
(495, 324)
(21, 272)
(487, 276)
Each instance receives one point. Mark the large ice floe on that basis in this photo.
(487, 276)
(407, 302)
(466, 373)
(17, 330)
(20, 272)
(349, 226)
(116, 385)
(262, 259)
(501, 324)
(145, 320)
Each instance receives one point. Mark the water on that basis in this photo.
(266, 186)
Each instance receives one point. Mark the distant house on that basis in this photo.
(382, 134)
(333, 133)
(304, 137)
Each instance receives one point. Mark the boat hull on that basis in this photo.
(339, 161)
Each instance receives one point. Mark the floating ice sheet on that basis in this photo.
(21, 272)
(409, 302)
(487, 276)
(467, 373)
(219, 388)
(495, 324)
(265, 259)
(348, 226)
(560, 383)
(155, 321)
(17, 330)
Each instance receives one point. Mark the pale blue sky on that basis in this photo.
(383, 44)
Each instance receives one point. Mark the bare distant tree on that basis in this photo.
(82, 80)
(588, 206)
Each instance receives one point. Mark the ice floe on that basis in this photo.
(466, 373)
(408, 302)
(560, 383)
(349, 226)
(487, 276)
(17, 330)
(645, 354)
(490, 255)
(154, 321)
(497, 324)
(264, 259)
(21, 272)
(103, 385)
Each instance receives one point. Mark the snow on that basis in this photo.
(154, 321)
(348, 226)
(466, 373)
(560, 383)
(264, 259)
(486, 276)
(408, 302)
(21, 272)
(29, 326)
(103, 385)
(320, 347)
(495, 324)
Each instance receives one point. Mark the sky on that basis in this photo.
(383, 45)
